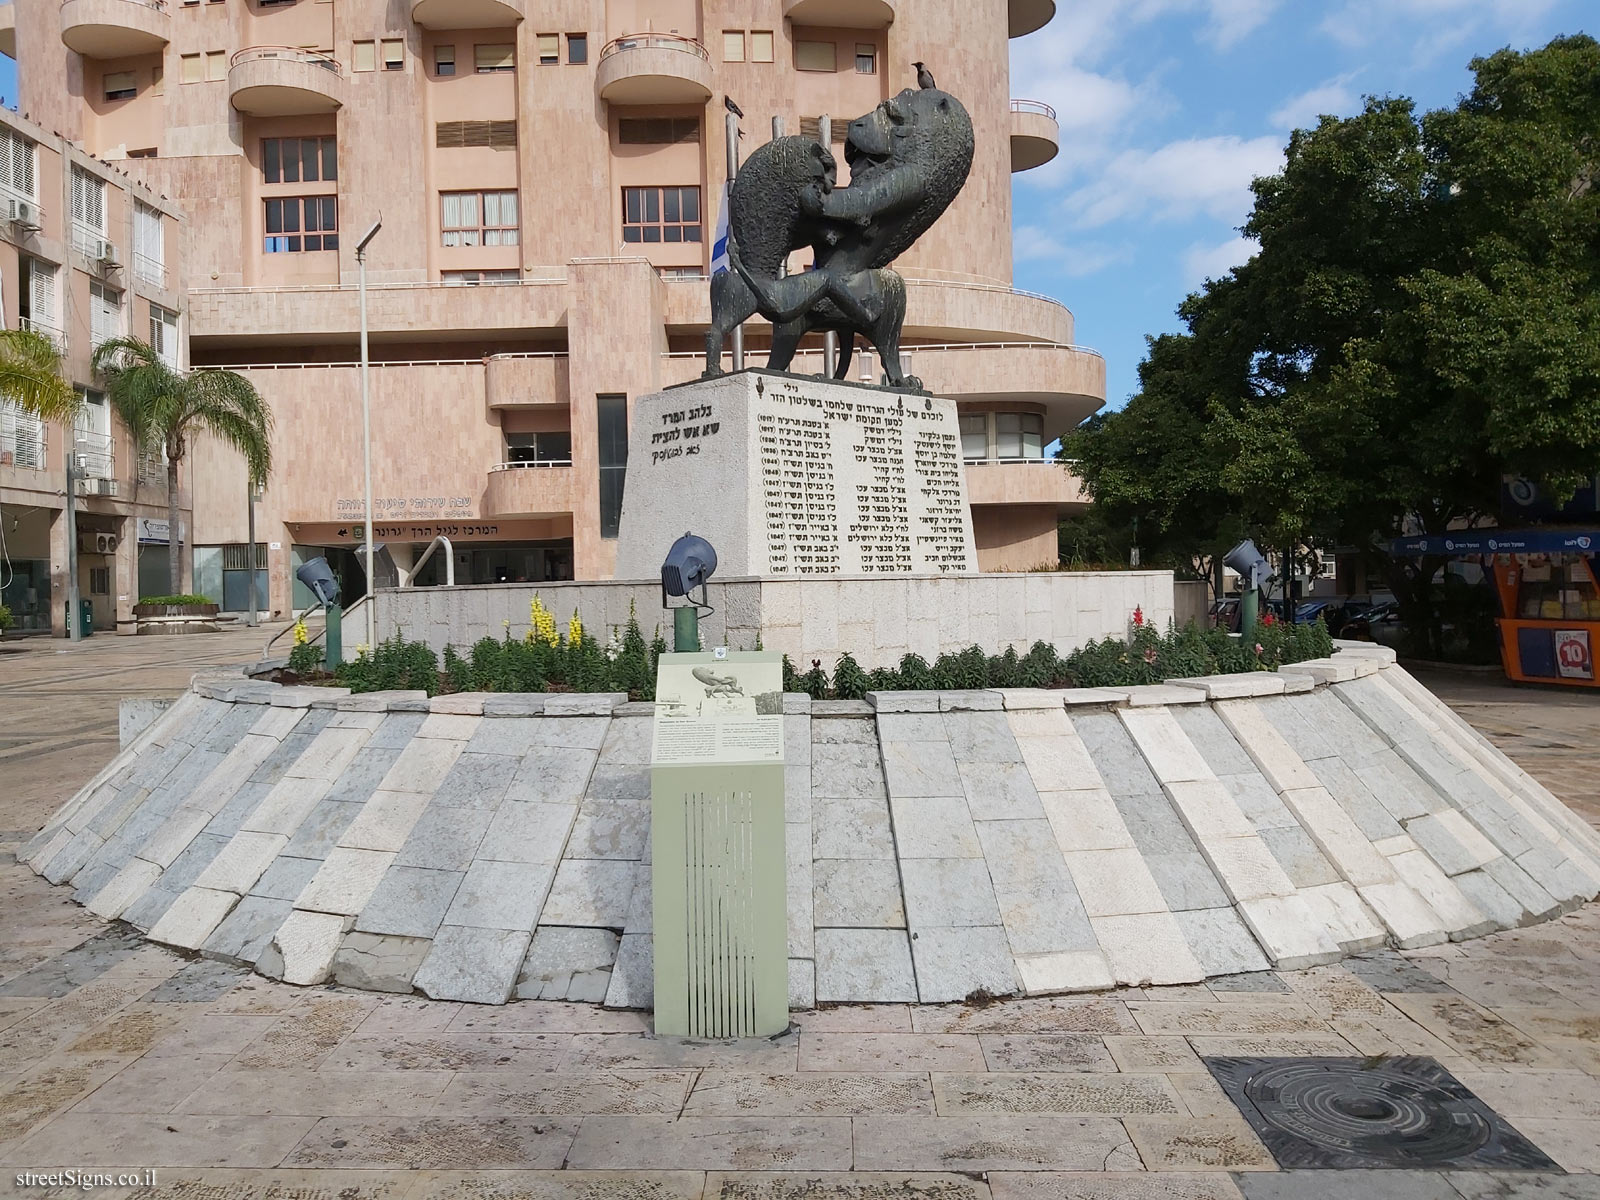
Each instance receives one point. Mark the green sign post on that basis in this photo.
(719, 904)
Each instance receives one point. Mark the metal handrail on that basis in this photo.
(151, 270)
(518, 466)
(915, 348)
(158, 5)
(1012, 460)
(1033, 106)
(655, 41)
(449, 561)
(371, 287)
(56, 337)
(295, 53)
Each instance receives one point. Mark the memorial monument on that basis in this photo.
(796, 475)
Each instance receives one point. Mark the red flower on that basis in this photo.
(1268, 619)
(1138, 615)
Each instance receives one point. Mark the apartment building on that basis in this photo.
(547, 174)
(86, 254)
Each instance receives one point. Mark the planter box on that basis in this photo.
(175, 618)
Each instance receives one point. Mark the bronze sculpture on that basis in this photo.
(908, 160)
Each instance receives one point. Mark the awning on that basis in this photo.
(1470, 543)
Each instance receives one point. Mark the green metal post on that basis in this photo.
(686, 630)
(1249, 611)
(333, 638)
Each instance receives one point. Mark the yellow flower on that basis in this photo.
(574, 629)
(301, 636)
(543, 622)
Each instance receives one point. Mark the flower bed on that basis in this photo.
(551, 660)
(175, 614)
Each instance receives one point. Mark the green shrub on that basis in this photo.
(850, 682)
(6, 619)
(185, 599)
(306, 659)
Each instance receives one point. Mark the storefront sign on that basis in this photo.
(351, 533)
(1574, 659)
(155, 532)
(406, 508)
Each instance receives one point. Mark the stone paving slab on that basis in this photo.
(1049, 1142)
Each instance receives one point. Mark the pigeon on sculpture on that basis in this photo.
(732, 107)
(924, 77)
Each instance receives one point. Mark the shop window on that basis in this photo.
(653, 215)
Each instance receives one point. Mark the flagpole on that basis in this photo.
(733, 169)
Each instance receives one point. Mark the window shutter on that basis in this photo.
(42, 293)
(503, 135)
(499, 57)
(393, 54)
(365, 56)
(733, 45)
(191, 68)
(761, 45)
(814, 56)
(216, 64)
(119, 81)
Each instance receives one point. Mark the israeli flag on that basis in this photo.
(719, 248)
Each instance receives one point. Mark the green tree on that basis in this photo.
(30, 375)
(166, 408)
(1422, 318)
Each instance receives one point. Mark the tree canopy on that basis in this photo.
(1422, 318)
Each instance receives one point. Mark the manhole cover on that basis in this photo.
(1354, 1112)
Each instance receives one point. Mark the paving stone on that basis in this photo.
(397, 731)
(1221, 942)
(193, 917)
(861, 893)
(1113, 882)
(920, 769)
(302, 948)
(409, 902)
(847, 770)
(445, 839)
(1298, 855)
(851, 828)
(633, 976)
(1499, 1185)
(1185, 879)
(743, 1143)
(992, 1142)
(345, 881)
(1187, 1143)
(286, 877)
(1146, 949)
(322, 828)
(864, 965)
(126, 886)
(552, 775)
(500, 896)
(590, 892)
(1334, 1185)
(1063, 971)
(246, 931)
(1259, 801)
(1116, 758)
(436, 1142)
(474, 780)
(981, 737)
(949, 891)
(1049, 1052)
(529, 833)
(1085, 820)
(1000, 791)
(1030, 1092)
(568, 964)
(934, 827)
(150, 907)
(479, 965)
(1287, 930)
(812, 1093)
(385, 822)
(1052, 1185)
(378, 963)
(604, 829)
(953, 963)
(104, 1140)
(242, 861)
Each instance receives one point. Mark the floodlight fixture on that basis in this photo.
(369, 234)
(1249, 563)
(689, 564)
(319, 577)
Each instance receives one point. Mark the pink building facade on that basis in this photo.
(548, 174)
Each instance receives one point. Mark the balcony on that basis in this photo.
(529, 490)
(56, 338)
(467, 14)
(526, 381)
(1029, 15)
(8, 30)
(841, 14)
(654, 68)
(997, 481)
(1035, 134)
(281, 81)
(114, 28)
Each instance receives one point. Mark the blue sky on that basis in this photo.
(1169, 108)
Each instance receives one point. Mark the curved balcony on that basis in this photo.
(1025, 16)
(1024, 481)
(1035, 134)
(654, 68)
(114, 28)
(841, 14)
(526, 381)
(281, 81)
(467, 14)
(529, 490)
(8, 30)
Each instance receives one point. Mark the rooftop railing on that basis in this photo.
(1033, 106)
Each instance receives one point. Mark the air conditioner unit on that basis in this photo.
(22, 213)
(105, 253)
(107, 542)
(97, 487)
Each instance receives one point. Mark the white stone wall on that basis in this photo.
(874, 618)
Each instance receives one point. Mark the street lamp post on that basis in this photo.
(74, 628)
(254, 618)
(366, 428)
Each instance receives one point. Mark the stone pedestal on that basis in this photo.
(791, 476)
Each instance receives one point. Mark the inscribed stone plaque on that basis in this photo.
(796, 476)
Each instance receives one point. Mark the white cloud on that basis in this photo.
(1202, 262)
(1031, 244)
(1335, 96)
(1231, 21)
(1197, 176)
(1358, 23)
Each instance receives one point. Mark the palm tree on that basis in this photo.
(164, 407)
(30, 375)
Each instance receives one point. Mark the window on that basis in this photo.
(143, 152)
(216, 64)
(158, 80)
(658, 131)
(99, 581)
(21, 437)
(498, 135)
(761, 45)
(302, 223)
(866, 58)
(164, 334)
(190, 68)
(17, 158)
(612, 424)
(477, 278)
(236, 576)
(577, 48)
(974, 436)
(37, 300)
(105, 315)
(299, 160)
(1018, 435)
(815, 56)
(91, 436)
(733, 45)
(478, 218)
(120, 85)
(651, 214)
(498, 57)
(394, 54)
(363, 56)
(444, 60)
(549, 49)
(539, 447)
(88, 208)
(149, 245)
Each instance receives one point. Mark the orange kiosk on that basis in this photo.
(1548, 581)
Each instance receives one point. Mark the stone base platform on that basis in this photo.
(940, 844)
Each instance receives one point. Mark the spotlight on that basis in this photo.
(317, 576)
(1249, 563)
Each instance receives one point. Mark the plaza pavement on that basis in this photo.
(123, 1056)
